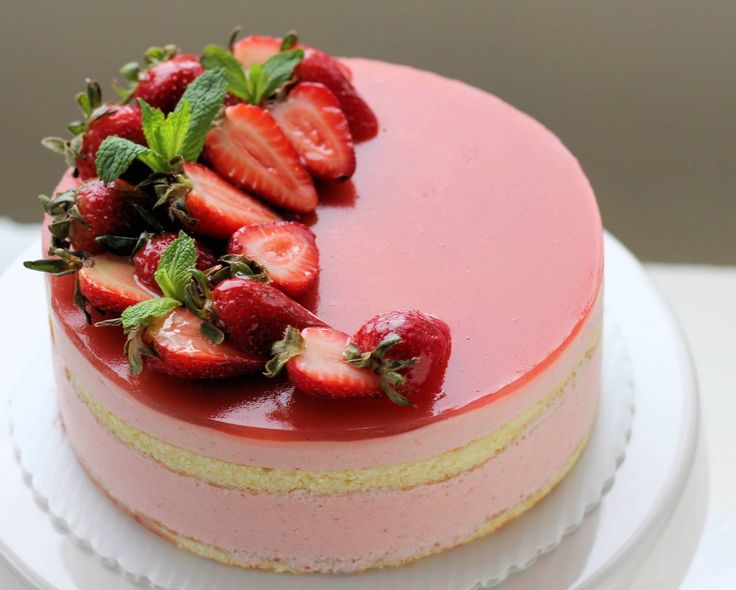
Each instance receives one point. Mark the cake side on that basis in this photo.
(312, 530)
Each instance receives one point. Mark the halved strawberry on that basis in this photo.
(285, 249)
(218, 208)
(320, 67)
(250, 149)
(255, 314)
(184, 352)
(315, 363)
(312, 120)
(109, 284)
(257, 49)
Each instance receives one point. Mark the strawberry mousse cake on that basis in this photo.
(319, 315)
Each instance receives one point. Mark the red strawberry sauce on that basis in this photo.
(462, 207)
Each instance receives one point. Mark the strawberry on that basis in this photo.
(218, 208)
(256, 49)
(320, 67)
(162, 84)
(182, 351)
(414, 343)
(108, 283)
(315, 362)
(92, 210)
(286, 250)
(312, 120)
(146, 258)
(255, 314)
(121, 120)
(250, 149)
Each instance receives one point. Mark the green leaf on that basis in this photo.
(115, 155)
(206, 96)
(165, 133)
(279, 69)
(175, 267)
(141, 313)
(289, 347)
(215, 57)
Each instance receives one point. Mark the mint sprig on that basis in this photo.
(173, 275)
(175, 267)
(173, 138)
(261, 81)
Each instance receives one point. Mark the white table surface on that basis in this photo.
(697, 550)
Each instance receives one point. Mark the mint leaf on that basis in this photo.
(114, 157)
(206, 96)
(139, 314)
(165, 133)
(263, 80)
(214, 57)
(278, 69)
(175, 267)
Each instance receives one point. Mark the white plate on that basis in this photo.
(649, 483)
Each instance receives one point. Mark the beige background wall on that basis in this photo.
(643, 91)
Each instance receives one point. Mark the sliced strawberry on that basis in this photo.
(320, 67)
(286, 250)
(146, 259)
(312, 120)
(250, 150)
(163, 84)
(184, 352)
(109, 284)
(320, 367)
(218, 208)
(255, 314)
(257, 49)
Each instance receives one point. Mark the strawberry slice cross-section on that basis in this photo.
(184, 352)
(110, 285)
(218, 208)
(250, 150)
(286, 250)
(314, 123)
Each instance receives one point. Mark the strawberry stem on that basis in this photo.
(386, 369)
(289, 347)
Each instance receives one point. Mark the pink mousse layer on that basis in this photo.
(406, 447)
(463, 207)
(340, 532)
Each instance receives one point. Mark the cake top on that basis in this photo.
(461, 207)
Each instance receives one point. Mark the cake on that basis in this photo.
(459, 206)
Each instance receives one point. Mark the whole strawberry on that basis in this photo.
(254, 314)
(163, 83)
(101, 120)
(146, 259)
(409, 349)
(121, 120)
(91, 211)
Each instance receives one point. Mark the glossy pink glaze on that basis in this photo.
(462, 207)
(340, 532)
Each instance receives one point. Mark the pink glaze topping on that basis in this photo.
(462, 207)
